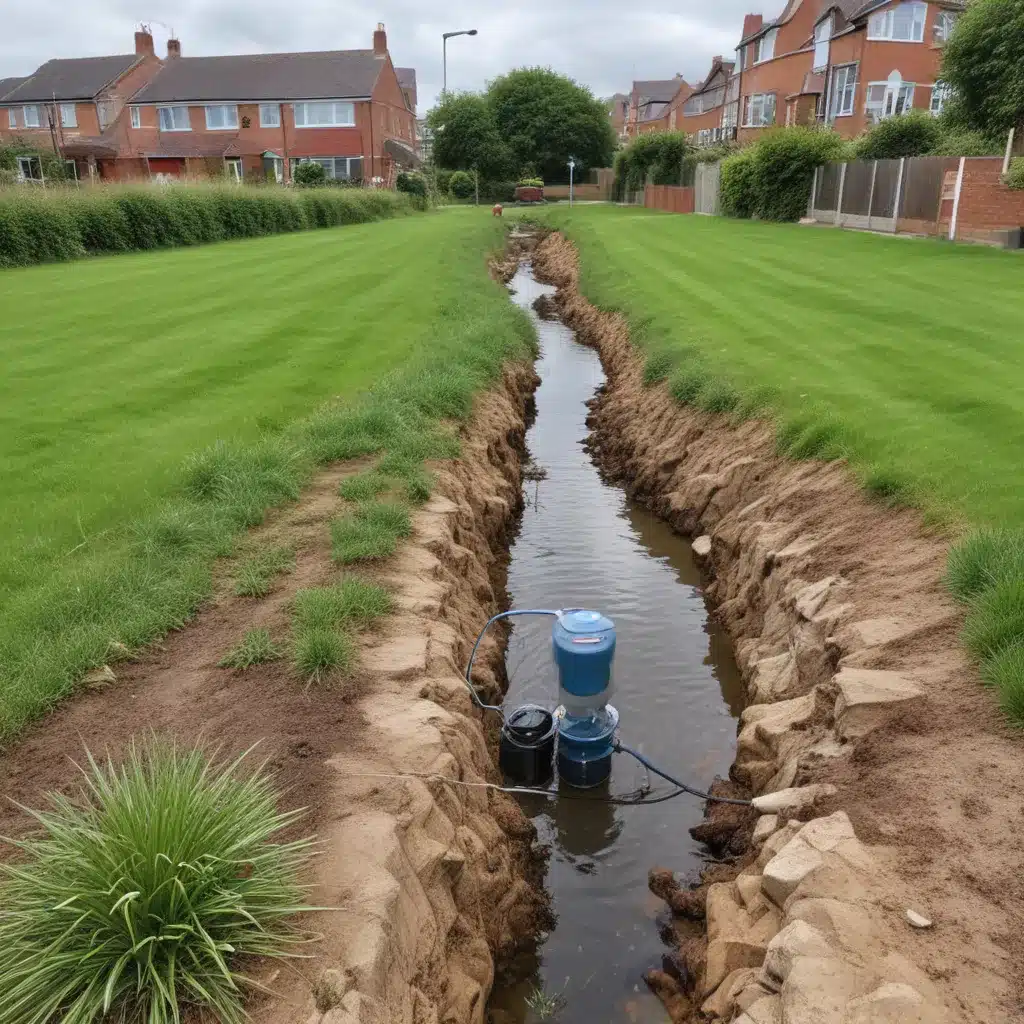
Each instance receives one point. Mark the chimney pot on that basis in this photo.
(380, 41)
(173, 48)
(144, 42)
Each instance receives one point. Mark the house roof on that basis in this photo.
(856, 11)
(813, 85)
(326, 74)
(76, 78)
(717, 65)
(660, 91)
(652, 111)
(406, 78)
(8, 85)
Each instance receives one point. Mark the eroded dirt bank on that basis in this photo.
(887, 779)
(426, 881)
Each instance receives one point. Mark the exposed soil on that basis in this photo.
(939, 785)
(427, 879)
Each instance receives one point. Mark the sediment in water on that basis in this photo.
(865, 726)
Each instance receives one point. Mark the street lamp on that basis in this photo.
(445, 36)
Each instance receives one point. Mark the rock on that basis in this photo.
(818, 990)
(791, 800)
(892, 1003)
(867, 699)
(735, 938)
(847, 926)
(98, 678)
(777, 841)
(767, 1010)
(722, 1001)
(749, 888)
(662, 882)
(825, 834)
(751, 993)
(765, 826)
(702, 546)
(329, 989)
(918, 920)
(774, 679)
(787, 869)
(797, 939)
(809, 600)
(667, 989)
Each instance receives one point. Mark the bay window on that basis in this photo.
(338, 168)
(329, 114)
(903, 23)
(221, 117)
(888, 99)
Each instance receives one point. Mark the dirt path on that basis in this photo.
(825, 593)
(426, 881)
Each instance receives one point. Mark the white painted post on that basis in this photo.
(899, 192)
(839, 201)
(1009, 151)
(814, 192)
(956, 199)
(871, 192)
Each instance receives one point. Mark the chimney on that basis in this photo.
(380, 41)
(173, 48)
(144, 42)
(751, 24)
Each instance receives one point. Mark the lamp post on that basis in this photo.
(572, 168)
(445, 36)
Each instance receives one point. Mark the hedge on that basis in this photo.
(54, 225)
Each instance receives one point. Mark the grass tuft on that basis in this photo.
(657, 367)
(316, 651)
(982, 559)
(255, 575)
(363, 486)
(1005, 673)
(890, 487)
(686, 384)
(371, 532)
(995, 620)
(256, 648)
(136, 900)
(718, 396)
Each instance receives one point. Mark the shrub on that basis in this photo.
(1014, 177)
(462, 185)
(912, 134)
(412, 184)
(964, 143)
(136, 898)
(655, 156)
(310, 175)
(736, 186)
(783, 169)
(1005, 673)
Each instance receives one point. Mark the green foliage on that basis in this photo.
(531, 182)
(995, 620)
(317, 652)
(138, 899)
(412, 183)
(983, 61)
(371, 532)
(462, 185)
(255, 575)
(466, 136)
(256, 648)
(39, 226)
(310, 175)
(982, 559)
(1014, 177)
(1005, 673)
(914, 133)
(658, 157)
(361, 486)
(960, 142)
(736, 191)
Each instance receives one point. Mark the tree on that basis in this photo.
(984, 63)
(466, 136)
(545, 118)
(310, 175)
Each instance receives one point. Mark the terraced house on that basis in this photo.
(253, 116)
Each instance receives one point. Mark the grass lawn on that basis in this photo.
(118, 370)
(902, 353)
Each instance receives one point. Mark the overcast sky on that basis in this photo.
(600, 43)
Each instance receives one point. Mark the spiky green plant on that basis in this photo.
(256, 647)
(134, 902)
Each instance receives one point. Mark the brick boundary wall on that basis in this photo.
(670, 198)
(986, 204)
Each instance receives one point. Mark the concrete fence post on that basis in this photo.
(899, 194)
(956, 199)
(871, 191)
(1009, 151)
(839, 200)
(814, 192)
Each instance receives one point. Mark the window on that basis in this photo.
(766, 46)
(844, 85)
(31, 116)
(888, 99)
(221, 117)
(903, 23)
(68, 115)
(72, 170)
(730, 115)
(136, 117)
(822, 34)
(944, 22)
(12, 118)
(270, 115)
(941, 93)
(760, 110)
(233, 168)
(339, 168)
(30, 169)
(173, 119)
(325, 115)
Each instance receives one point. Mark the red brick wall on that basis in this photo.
(986, 204)
(670, 198)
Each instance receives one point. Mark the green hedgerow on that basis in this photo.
(136, 900)
(1014, 177)
(256, 648)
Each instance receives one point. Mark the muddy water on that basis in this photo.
(584, 543)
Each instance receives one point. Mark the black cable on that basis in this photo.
(675, 782)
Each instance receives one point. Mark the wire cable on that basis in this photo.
(675, 782)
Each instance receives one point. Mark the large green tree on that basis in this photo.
(466, 136)
(984, 63)
(545, 118)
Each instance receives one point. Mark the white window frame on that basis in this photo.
(225, 113)
(30, 162)
(893, 91)
(766, 47)
(945, 22)
(12, 117)
(942, 92)
(36, 120)
(65, 120)
(822, 38)
(842, 98)
(882, 24)
(759, 101)
(332, 170)
(270, 115)
(172, 109)
(339, 110)
(731, 114)
(136, 116)
(233, 169)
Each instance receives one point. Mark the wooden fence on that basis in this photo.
(670, 198)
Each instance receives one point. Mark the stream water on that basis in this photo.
(584, 543)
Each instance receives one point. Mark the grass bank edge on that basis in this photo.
(112, 602)
(985, 566)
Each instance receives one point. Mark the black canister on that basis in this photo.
(527, 748)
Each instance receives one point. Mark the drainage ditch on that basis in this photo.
(584, 543)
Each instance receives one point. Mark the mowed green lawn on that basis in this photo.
(905, 354)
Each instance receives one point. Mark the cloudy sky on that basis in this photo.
(601, 43)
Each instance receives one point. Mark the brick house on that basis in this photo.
(262, 114)
(709, 113)
(75, 105)
(648, 104)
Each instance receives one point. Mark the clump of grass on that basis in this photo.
(255, 575)
(657, 367)
(256, 648)
(363, 486)
(136, 898)
(371, 532)
(545, 1005)
(1005, 673)
(889, 486)
(812, 436)
(316, 651)
(718, 396)
(996, 619)
(419, 485)
(982, 559)
(687, 383)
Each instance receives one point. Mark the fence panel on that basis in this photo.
(922, 187)
(826, 194)
(706, 183)
(857, 192)
(887, 178)
(671, 198)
